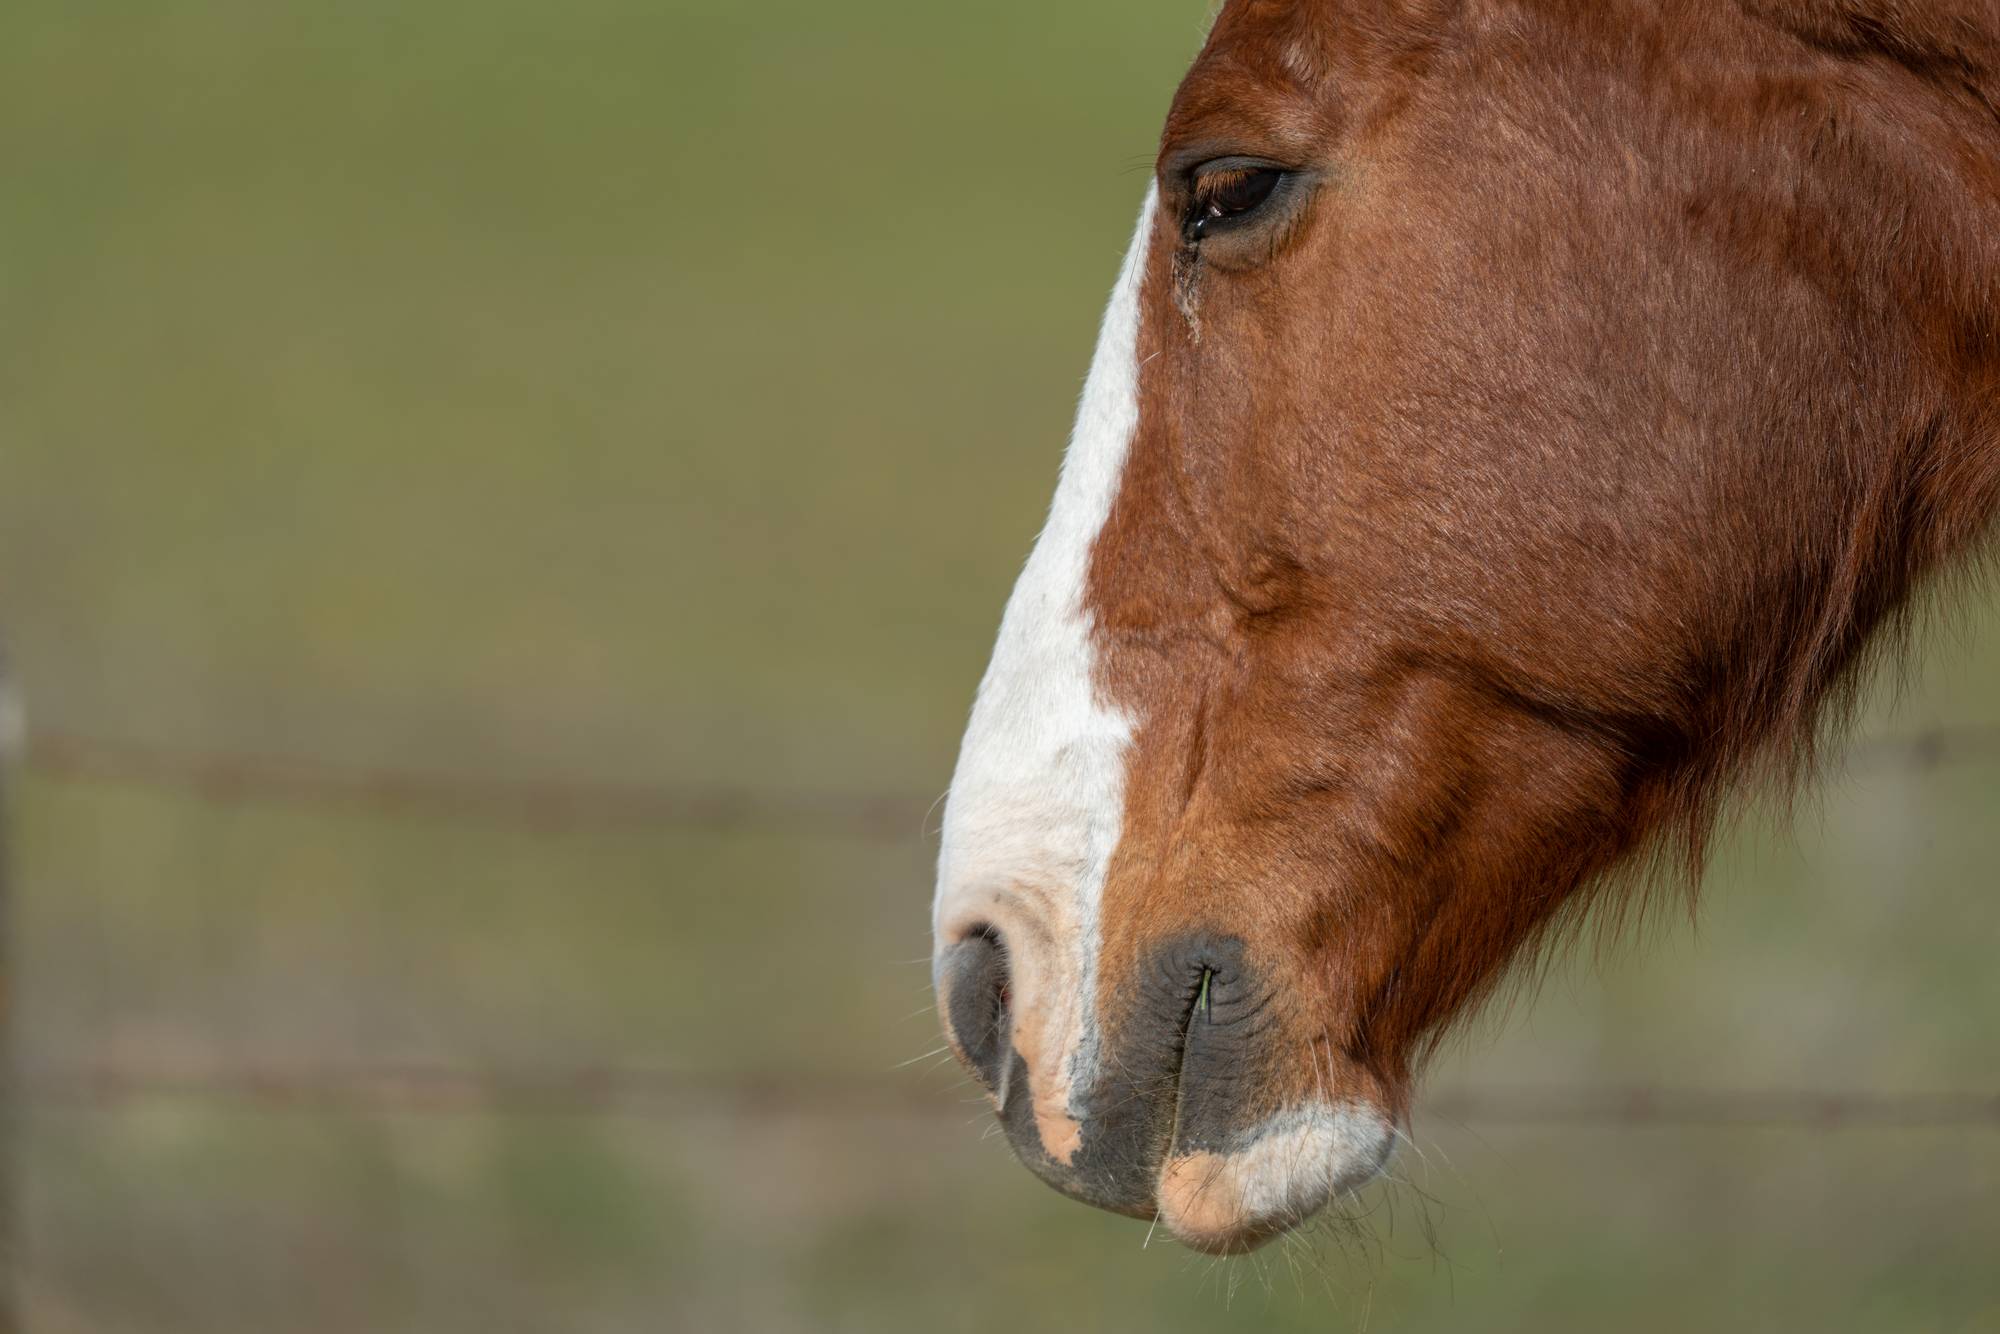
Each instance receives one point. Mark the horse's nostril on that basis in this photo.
(977, 994)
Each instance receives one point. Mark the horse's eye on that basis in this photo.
(1228, 193)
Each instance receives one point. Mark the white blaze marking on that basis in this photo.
(1037, 803)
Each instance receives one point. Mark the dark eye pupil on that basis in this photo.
(1229, 194)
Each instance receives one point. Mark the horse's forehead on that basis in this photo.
(1297, 43)
(1259, 62)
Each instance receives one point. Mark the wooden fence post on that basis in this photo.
(12, 1233)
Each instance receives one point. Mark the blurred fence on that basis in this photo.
(559, 805)
(556, 806)
(604, 1090)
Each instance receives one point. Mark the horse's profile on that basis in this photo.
(1513, 425)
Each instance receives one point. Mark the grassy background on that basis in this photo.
(637, 393)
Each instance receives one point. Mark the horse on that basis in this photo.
(1516, 428)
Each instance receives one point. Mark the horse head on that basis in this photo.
(1512, 425)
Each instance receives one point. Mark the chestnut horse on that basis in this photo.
(1513, 424)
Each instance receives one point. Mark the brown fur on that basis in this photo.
(1553, 468)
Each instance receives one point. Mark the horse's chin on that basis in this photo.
(1294, 1166)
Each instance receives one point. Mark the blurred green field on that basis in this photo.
(619, 392)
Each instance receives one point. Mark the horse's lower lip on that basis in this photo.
(1290, 1169)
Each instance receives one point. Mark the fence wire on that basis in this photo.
(548, 805)
(407, 1088)
(559, 804)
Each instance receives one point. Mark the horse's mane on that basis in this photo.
(1954, 39)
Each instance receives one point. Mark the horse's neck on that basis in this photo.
(1930, 98)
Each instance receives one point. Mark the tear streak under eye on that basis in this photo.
(1186, 287)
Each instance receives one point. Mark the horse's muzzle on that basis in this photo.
(1170, 1107)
